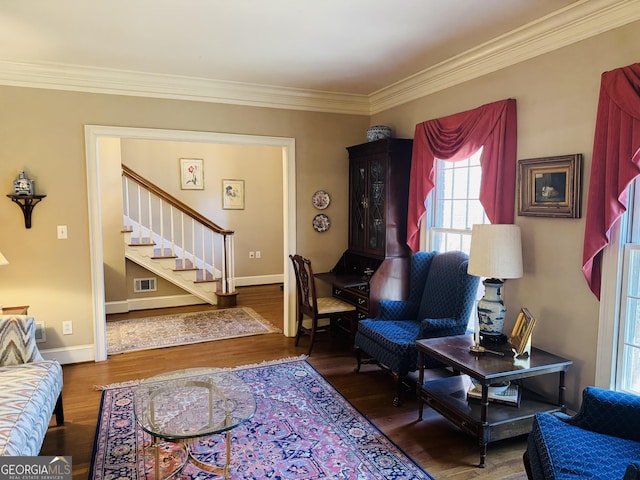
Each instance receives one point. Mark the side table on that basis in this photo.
(21, 310)
(482, 420)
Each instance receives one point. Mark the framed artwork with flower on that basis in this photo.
(191, 174)
(233, 194)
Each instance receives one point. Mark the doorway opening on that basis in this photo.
(93, 133)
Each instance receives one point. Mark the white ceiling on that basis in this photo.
(328, 47)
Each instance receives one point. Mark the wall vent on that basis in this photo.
(144, 285)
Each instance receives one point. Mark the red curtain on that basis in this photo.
(455, 138)
(614, 164)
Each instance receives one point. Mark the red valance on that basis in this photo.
(614, 164)
(455, 138)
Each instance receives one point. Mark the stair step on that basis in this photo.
(203, 276)
(159, 254)
(145, 242)
(183, 265)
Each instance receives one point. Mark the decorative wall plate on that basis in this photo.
(321, 223)
(320, 199)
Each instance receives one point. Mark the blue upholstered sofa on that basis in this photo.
(602, 441)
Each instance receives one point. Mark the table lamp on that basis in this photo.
(3, 261)
(496, 254)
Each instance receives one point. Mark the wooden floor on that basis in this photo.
(441, 448)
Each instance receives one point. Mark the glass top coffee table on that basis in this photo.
(184, 406)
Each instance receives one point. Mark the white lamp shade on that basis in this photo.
(496, 251)
(3, 260)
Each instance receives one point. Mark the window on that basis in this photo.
(627, 369)
(455, 205)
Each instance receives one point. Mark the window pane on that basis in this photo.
(632, 331)
(476, 214)
(631, 363)
(453, 242)
(446, 187)
(459, 214)
(634, 274)
(460, 183)
(628, 374)
(446, 213)
(475, 175)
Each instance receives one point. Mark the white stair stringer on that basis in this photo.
(165, 268)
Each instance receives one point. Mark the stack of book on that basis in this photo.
(509, 396)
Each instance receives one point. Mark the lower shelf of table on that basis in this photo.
(448, 396)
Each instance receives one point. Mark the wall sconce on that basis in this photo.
(24, 196)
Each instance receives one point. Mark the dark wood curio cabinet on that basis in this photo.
(378, 192)
(376, 264)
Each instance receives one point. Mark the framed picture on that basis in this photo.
(233, 194)
(191, 174)
(550, 186)
(522, 331)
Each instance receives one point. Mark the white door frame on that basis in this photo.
(94, 132)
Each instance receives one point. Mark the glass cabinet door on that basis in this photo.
(376, 211)
(359, 202)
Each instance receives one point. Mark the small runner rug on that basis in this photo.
(183, 329)
(302, 429)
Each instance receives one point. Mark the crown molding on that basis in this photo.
(122, 82)
(569, 25)
(576, 22)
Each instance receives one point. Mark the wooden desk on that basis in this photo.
(21, 310)
(487, 422)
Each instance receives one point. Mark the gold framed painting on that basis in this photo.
(550, 186)
(521, 332)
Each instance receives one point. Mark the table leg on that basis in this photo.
(484, 407)
(561, 392)
(219, 470)
(156, 453)
(228, 459)
(420, 382)
(156, 446)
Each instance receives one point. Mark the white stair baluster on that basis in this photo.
(173, 238)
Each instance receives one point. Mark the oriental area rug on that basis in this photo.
(184, 328)
(302, 429)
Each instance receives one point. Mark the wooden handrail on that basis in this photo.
(127, 172)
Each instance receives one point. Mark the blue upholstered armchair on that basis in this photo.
(441, 296)
(602, 441)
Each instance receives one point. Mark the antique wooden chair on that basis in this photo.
(314, 307)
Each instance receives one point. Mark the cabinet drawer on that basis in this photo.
(352, 296)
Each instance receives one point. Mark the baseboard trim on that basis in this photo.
(67, 355)
(146, 303)
(259, 280)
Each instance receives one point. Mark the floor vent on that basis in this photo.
(144, 285)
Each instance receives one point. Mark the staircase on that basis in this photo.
(175, 242)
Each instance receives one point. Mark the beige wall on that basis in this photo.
(557, 93)
(557, 96)
(163, 287)
(258, 227)
(43, 132)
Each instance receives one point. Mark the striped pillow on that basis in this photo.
(17, 340)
